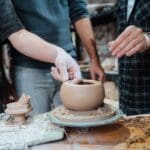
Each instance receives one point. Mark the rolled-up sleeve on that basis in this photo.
(78, 10)
(9, 22)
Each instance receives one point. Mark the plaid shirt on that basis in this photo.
(135, 70)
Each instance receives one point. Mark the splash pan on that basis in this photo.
(101, 116)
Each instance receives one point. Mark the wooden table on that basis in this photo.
(99, 138)
(117, 136)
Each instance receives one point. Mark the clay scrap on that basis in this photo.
(19, 109)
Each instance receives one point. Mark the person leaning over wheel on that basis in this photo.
(28, 44)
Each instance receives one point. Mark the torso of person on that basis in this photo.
(134, 71)
(48, 19)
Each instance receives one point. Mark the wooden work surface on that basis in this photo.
(100, 138)
(116, 136)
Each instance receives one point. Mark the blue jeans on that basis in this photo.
(40, 85)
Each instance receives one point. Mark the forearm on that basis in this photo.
(33, 46)
(84, 30)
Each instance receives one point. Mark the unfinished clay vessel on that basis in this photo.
(84, 96)
(19, 109)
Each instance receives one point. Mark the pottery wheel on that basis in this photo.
(64, 114)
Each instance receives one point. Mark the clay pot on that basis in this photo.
(85, 96)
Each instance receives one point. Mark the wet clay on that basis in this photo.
(84, 96)
(101, 113)
(84, 83)
(19, 109)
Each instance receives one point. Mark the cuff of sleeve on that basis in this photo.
(10, 30)
(80, 17)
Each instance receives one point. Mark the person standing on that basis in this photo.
(27, 43)
(51, 21)
(132, 47)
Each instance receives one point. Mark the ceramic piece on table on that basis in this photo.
(17, 105)
(85, 96)
(24, 99)
(19, 109)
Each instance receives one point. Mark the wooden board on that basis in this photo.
(139, 138)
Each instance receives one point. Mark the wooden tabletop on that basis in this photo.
(99, 138)
(131, 133)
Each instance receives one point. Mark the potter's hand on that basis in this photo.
(97, 71)
(66, 67)
(132, 40)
